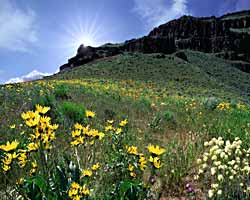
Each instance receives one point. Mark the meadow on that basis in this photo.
(122, 129)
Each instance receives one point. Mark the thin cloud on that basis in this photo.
(156, 12)
(17, 32)
(34, 75)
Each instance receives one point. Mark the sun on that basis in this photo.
(86, 40)
(86, 30)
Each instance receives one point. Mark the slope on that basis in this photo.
(202, 75)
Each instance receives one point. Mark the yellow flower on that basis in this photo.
(87, 172)
(110, 121)
(80, 140)
(157, 162)
(6, 168)
(48, 146)
(123, 123)
(22, 159)
(75, 185)
(85, 190)
(72, 192)
(55, 126)
(78, 126)
(34, 164)
(131, 167)
(132, 150)
(223, 106)
(101, 135)
(155, 149)
(76, 133)
(86, 130)
(142, 162)
(151, 159)
(45, 120)
(133, 174)
(41, 109)
(33, 121)
(90, 114)
(25, 116)
(241, 106)
(7, 159)
(118, 130)
(14, 155)
(20, 181)
(33, 146)
(95, 167)
(12, 126)
(77, 197)
(109, 128)
(10, 146)
(75, 143)
(32, 171)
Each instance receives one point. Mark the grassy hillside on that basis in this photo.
(203, 75)
(137, 100)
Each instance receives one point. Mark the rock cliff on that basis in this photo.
(227, 36)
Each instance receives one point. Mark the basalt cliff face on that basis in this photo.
(227, 36)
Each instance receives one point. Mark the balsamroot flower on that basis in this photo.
(156, 150)
(132, 150)
(9, 146)
(89, 114)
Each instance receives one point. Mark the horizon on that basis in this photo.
(38, 37)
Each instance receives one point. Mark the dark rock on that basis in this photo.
(227, 36)
(63, 67)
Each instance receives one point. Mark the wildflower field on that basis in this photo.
(92, 137)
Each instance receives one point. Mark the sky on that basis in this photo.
(37, 36)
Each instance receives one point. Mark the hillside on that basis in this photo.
(199, 75)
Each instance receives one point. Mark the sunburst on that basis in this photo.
(82, 30)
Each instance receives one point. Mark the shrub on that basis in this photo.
(211, 103)
(47, 99)
(61, 91)
(144, 103)
(73, 111)
(168, 116)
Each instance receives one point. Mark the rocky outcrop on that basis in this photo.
(227, 36)
(227, 33)
(87, 54)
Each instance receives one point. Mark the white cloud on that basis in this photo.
(17, 32)
(34, 75)
(156, 12)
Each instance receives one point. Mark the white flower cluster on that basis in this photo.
(225, 165)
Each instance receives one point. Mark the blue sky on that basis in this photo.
(37, 36)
